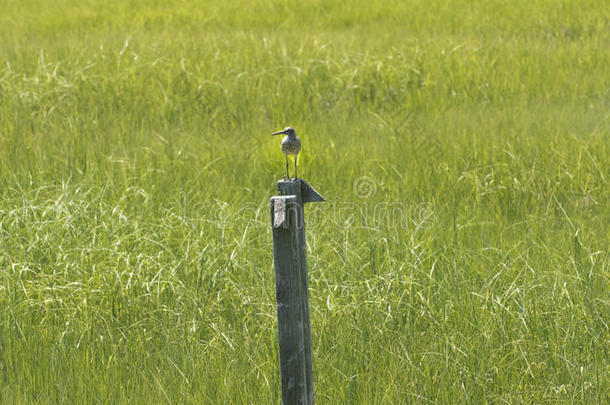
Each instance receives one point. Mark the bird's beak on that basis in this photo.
(279, 133)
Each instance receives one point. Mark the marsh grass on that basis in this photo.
(136, 168)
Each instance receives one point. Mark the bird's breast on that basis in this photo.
(291, 146)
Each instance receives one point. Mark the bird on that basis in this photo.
(291, 145)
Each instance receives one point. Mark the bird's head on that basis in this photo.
(288, 131)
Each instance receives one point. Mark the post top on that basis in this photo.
(308, 193)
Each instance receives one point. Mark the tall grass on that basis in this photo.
(136, 168)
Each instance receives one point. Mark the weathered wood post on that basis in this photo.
(291, 288)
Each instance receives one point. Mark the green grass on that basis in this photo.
(136, 168)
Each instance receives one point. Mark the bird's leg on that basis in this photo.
(295, 167)
(287, 174)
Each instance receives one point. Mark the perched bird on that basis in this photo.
(291, 145)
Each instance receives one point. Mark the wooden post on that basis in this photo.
(292, 291)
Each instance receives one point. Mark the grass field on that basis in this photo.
(463, 255)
